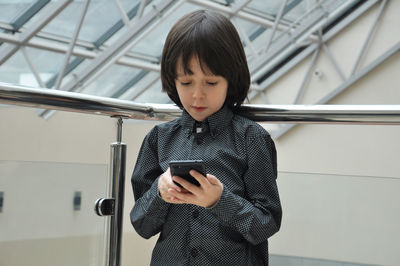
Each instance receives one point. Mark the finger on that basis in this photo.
(177, 201)
(180, 197)
(184, 190)
(173, 192)
(212, 179)
(174, 200)
(179, 189)
(199, 177)
(174, 186)
(185, 184)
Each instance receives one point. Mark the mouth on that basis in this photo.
(199, 108)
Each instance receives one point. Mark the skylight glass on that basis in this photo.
(268, 31)
(10, 10)
(101, 15)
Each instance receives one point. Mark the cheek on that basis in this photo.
(183, 96)
(222, 95)
(178, 91)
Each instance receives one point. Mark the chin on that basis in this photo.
(199, 118)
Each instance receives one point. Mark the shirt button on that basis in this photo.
(195, 214)
(194, 252)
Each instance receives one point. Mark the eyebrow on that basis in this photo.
(191, 74)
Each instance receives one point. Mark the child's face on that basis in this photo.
(201, 94)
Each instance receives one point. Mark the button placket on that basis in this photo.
(195, 214)
(194, 252)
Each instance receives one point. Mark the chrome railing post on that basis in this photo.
(114, 206)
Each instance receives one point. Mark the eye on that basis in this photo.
(187, 83)
(212, 83)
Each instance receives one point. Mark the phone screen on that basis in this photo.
(182, 168)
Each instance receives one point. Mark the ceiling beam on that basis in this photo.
(62, 48)
(345, 85)
(273, 62)
(113, 50)
(10, 49)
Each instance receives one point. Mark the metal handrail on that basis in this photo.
(83, 103)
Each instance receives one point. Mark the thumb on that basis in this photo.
(212, 179)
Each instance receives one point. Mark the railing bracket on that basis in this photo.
(104, 207)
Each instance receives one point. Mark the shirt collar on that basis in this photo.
(215, 122)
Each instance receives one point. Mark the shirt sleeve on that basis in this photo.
(150, 210)
(258, 214)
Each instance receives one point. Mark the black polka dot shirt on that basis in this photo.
(235, 231)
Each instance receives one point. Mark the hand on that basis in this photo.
(205, 195)
(165, 185)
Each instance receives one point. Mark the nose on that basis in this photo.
(198, 92)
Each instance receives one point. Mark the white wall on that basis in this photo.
(338, 183)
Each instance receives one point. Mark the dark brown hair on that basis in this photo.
(214, 40)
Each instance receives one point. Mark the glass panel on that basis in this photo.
(100, 17)
(16, 70)
(111, 81)
(352, 219)
(247, 27)
(294, 8)
(303, 15)
(153, 43)
(153, 95)
(270, 8)
(78, 69)
(13, 69)
(46, 63)
(332, 5)
(297, 9)
(11, 9)
(299, 16)
(115, 37)
(48, 217)
(252, 31)
(150, 6)
(128, 5)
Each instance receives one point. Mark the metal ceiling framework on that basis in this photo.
(275, 46)
(321, 47)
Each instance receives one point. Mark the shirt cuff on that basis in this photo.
(226, 206)
(154, 197)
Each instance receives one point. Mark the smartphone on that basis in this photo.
(182, 168)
